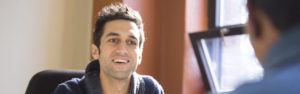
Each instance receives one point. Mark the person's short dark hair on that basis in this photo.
(115, 12)
(282, 13)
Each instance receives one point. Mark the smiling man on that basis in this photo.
(118, 45)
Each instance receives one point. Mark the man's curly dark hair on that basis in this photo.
(114, 12)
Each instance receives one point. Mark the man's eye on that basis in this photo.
(113, 40)
(131, 42)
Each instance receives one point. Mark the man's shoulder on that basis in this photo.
(267, 87)
(285, 81)
(151, 85)
(72, 86)
(149, 80)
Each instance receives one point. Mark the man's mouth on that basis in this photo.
(120, 61)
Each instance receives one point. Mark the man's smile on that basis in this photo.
(120, 60)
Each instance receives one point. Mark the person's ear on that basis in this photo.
(140, 59)
(140, 56)
(94, 52)
(254, 20)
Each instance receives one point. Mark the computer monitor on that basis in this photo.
(226, 58)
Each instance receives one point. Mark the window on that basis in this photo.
(231, 60)
(227, 12)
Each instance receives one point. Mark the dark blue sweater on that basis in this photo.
(90, 84)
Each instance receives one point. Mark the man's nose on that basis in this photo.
(122, 50)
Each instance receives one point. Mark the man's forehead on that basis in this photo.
(120, 23)
(121, 28)
(129, 35)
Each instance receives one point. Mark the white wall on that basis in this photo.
(41, 34)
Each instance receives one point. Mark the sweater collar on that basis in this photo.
(93, 85)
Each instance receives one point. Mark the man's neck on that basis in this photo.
(111, 85)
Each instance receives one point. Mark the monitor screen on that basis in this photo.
(227, 60)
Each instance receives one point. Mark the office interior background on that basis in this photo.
(37, 35)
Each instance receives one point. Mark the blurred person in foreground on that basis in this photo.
(118, 45)
(274, 29)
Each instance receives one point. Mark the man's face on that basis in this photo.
(119, 50)
(262, 32)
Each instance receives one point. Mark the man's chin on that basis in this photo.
(122, 76)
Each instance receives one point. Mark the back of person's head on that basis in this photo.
(282, 13)
(115, 12)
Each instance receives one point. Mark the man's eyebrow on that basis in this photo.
(133, 37)
(112, 34)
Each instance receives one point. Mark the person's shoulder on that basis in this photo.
(150, 81)
(261, 88)
(274, 84)
(69, 87)
(152, 85)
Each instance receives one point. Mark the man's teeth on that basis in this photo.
(120, 61)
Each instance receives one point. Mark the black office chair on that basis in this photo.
(45, 82)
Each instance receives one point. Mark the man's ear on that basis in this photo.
(94, 52)
(254, 19)
(140, 58)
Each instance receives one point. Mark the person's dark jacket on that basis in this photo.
(90, 84)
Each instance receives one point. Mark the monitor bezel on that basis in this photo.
(199, 53)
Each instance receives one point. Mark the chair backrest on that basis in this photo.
(45, 82)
